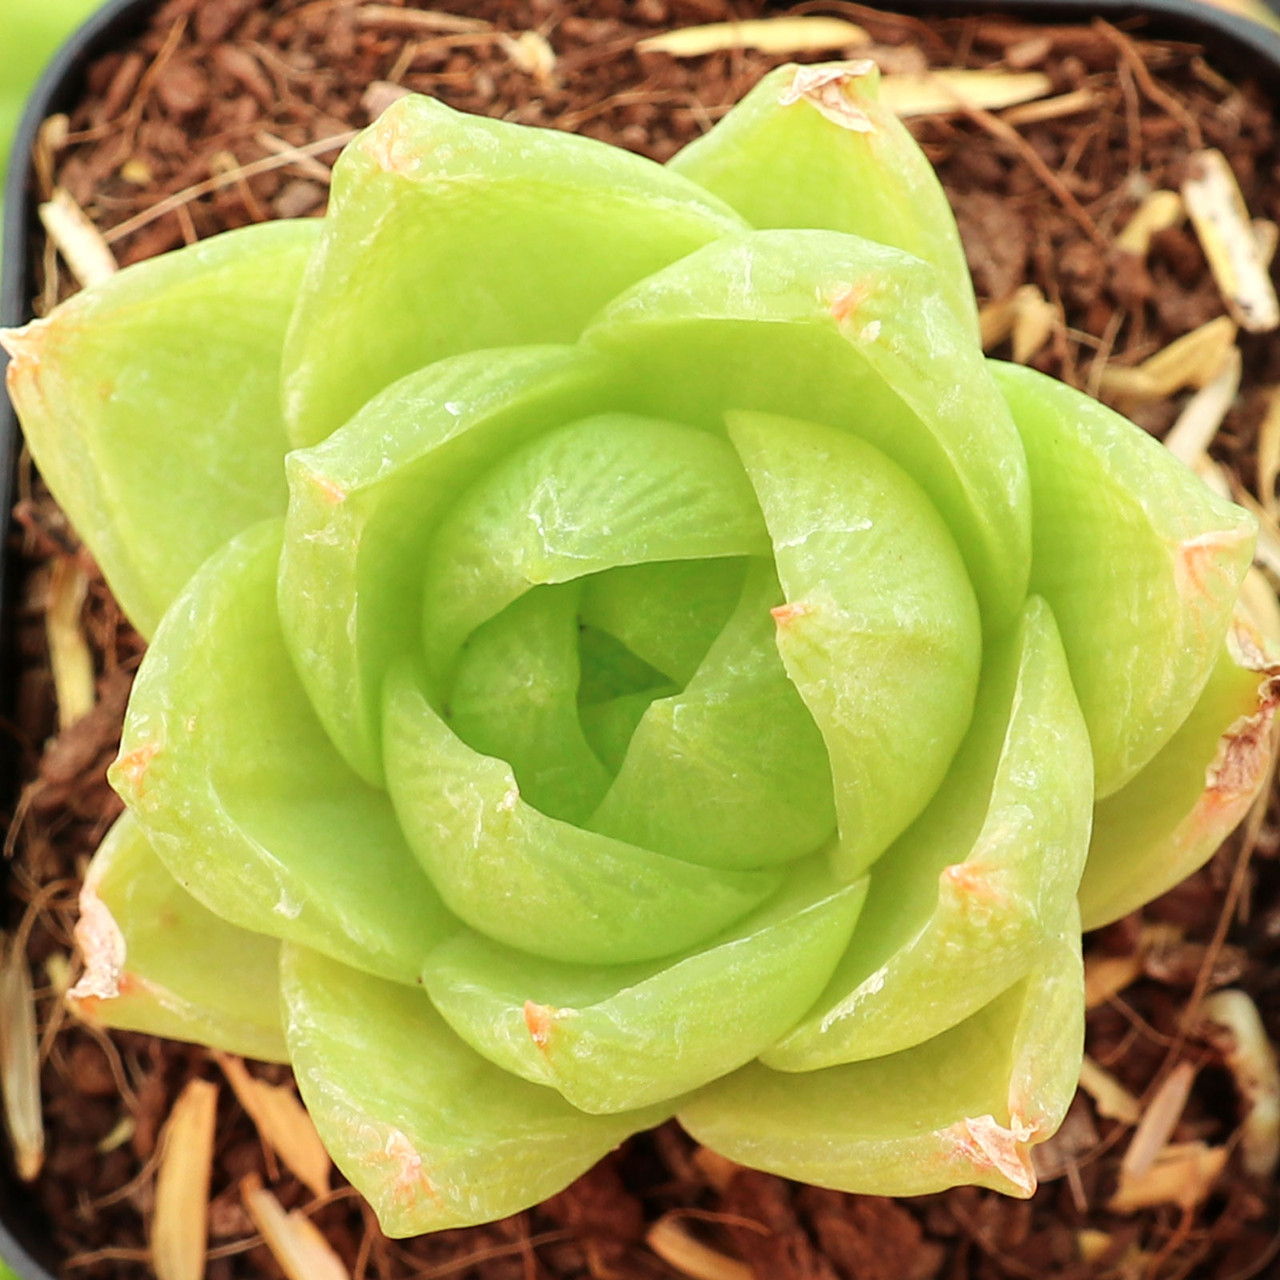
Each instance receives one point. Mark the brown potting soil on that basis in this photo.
(210, 99)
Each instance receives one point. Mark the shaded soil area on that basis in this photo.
(226, 112)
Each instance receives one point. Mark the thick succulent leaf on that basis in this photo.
(151, 405)
(1172, 817)
(880, 631)
(960, 906)
(363, 508)
(815, 147)
(964, 1107)
(610, 725)
(157, 961)
(431, 1134)
(533, 882)
(243, 796)
(835, 329)
(666, 612)
(465, 232)
(515, 696)
(610, 490)
(611, 1039)
(731, 771)
(1139, 560)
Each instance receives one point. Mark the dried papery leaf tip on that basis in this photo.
(987, 1144)
(825, 88)
(22, 346)
(102, 946)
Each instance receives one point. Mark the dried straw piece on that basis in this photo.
(1269, 451)
(1112, 1099)
(1158, 212)
(179, 1227)
(70, 658)
(1190, 436)
(769, 35)
(1106, 976)
(1182, 1174)
(677, 1248)
(531, 53)
(282, 1123)
(20, 1063)
(718, 1170)
(1218, 213)
(1193, 360)
(932, 92)
(296, 1243)
(389, 17)
(1236, 1025)
(1026, 315)
(1158, 1121)
(80, 242)
(1065, 104)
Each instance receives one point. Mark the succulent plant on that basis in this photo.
(619, 650)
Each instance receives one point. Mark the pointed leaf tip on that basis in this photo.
(825, 89)
(988, 1144)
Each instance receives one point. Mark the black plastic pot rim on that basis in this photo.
(1243, 48)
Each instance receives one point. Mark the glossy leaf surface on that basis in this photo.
(242, 795)
(989, 871)
(964, 1107)
(614, 1038)
(433, 1136)
(510, 235)
(159, 460)
(157, 961)
(1140, 562)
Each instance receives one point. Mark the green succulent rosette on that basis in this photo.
(618, 650)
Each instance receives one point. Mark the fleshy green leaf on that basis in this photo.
(431, 1134)
(243, 796)
(363, 508)
(151, 405)
(732, 771)
(667, 613)
(614, 1038)
(157, 961)
(814, 147)
(880, 632)
(607, 491)
(964, 1107)
(960, 906)
(835, 329)
(465, 232)
(515, 696)
(1170, 819)
(533, 882)
(1140, 562)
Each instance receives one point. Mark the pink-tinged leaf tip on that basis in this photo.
(131, 768)
(785, 614)
(539, 1018)
(1196, 561)
(330, 490)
